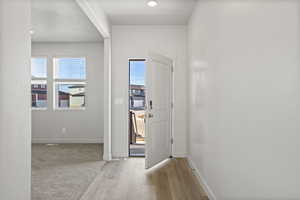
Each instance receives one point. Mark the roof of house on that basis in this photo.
(77, 86)
(65, 93)
(78, 94)
(137, 87)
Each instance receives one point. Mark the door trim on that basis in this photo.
(173, 64)
(128, 105)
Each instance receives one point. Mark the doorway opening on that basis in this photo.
(67, 153)
(136, 108)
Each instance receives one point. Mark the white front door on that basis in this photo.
(158, 113)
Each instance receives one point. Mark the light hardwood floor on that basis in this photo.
(128, 180)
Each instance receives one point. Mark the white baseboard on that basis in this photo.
(66, 140)
(179, 155)
(201, 179)
(107, 156)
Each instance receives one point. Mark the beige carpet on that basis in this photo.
(64, 172)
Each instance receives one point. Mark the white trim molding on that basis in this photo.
(100, 20)
(201, 179)
(107, 155)
(67, 140)
(178, 154)
(97, 16)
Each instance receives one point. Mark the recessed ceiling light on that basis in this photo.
(31, 31)
(152, 3)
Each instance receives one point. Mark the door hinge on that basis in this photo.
(172, 141)
(172, 69)
(172, 105)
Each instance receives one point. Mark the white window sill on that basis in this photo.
(39, 109)
(69, 109)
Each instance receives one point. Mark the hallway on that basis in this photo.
(218, 92)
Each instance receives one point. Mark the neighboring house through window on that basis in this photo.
(39, 82)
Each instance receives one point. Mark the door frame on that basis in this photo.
(172, 101)
(128, 105)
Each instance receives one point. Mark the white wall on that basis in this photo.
(83, 126)
(245, 98)
(15, 115)
(136, 42)
(107, 155)
(100, 20)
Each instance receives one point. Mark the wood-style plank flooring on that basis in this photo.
(128, 180)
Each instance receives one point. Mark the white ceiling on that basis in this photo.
(136, 12)
(64, 21)
(61, 21)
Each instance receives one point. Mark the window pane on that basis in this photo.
(39, 94)
(137, 84)
(137, 72)
(70, 68)
(70, 95)
(39, 67)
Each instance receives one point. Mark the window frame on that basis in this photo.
(57, 81)
(40, 79)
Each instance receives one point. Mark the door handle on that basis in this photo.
(150, 115)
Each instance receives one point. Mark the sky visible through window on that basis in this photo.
(137, 72)
(66, 68)
(70, 68)
(39, 67)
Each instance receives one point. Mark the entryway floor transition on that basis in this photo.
(137, 150)
(77, 172)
